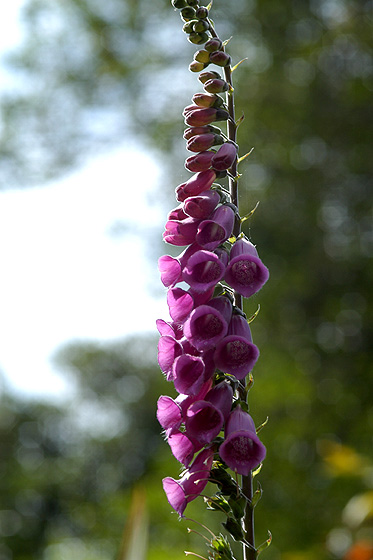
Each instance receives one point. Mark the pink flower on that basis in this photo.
(241, 450)
(205, 418)
(204, 269)
(200, 182)
(224, 157)
(217, 229)
(180, 492)
(236, 354)
(201, 206)
(168, 349)
(245, 273)
(208, 324)
(188, 374)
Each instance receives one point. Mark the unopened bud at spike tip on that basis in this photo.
(206, 115)
(216, 86)
(201, 25)
(196, 130)
(207, 100)
(213, 45)
(210, 75)
(179, 4)
(202, 142)
(202, 56)
(196, 66)
(202, 12)
(220, 58)
(198, 38)
(188, 13)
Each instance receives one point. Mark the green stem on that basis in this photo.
(249, 553)
(246, 481)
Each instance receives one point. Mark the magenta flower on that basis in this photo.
(202, 116)
(205, 418)
(201, 206)
(217, 229)
(170, 270)
(188, 374)
(204, 269)
(199, 162)
(180, 304)
(221, 397)
(200, 182)
(181, 232)
(182, 447)
(197, 130)
(203, 141)
(177, 214)
(236, 354)
(224, 157)
(216, 85)
(245, 273)
(169, 413)
(207, 325)
(241, 450)
(203, 421)
(168, 349)
(180, 492)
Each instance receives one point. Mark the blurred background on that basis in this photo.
(91, 150)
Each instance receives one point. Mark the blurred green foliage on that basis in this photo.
(94, 74)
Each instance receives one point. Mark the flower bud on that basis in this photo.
(214, 44)
(188, 26)
(202, 56)
(202, 142)
(200, 182)
(202, 12)
(201, 25)
(207, 100)
(195, 130)
(216, 86)
(179, 4)
(225, 157)
(197, 66)
(198, 38)
(211, 75)
(220, 58)
(189, 109)
(199, 162)
(206, 115)
(188, 13)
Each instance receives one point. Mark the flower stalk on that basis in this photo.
(206, 350)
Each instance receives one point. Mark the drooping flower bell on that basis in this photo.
(241, 450)
(180, 492)
(208, 324)
(245, 273)
(235, 353)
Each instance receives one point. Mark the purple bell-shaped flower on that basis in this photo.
(241, 450)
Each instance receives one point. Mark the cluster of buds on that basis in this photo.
(206, 349)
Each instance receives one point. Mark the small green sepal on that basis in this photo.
(262, 425)
(256, 497)
(238, 63)
(245, 156)
(266, 544)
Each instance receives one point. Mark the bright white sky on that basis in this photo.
(63, 274)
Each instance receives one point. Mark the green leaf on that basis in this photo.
(234, 528)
